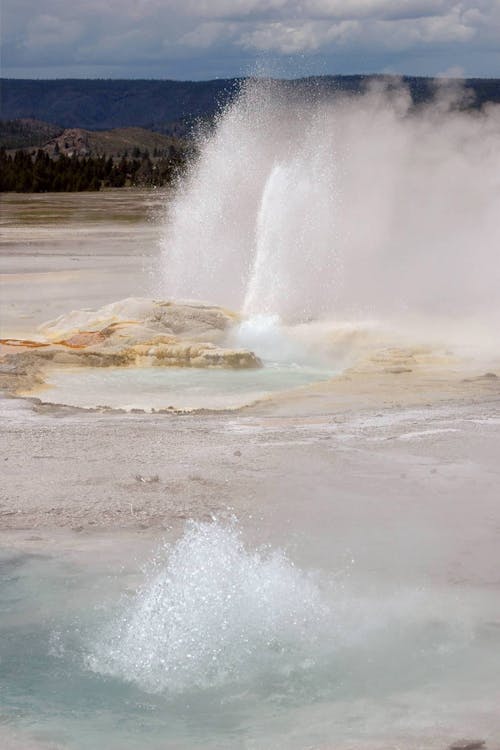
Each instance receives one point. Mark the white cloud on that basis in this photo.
(293, 38)
(377, 9)
(49, 30)
(232, 31)
(208, 34)
(238, 9)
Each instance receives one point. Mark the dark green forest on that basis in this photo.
(23, 133)
(37, 114)
(23, 172)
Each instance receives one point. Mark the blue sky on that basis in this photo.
(199, 39)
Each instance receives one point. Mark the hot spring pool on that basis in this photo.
(215, 644)
(177, 387)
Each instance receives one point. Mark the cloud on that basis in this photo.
(293, 38)
(208, 34)
(225, 35)
(49, 30)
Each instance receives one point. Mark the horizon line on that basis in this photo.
(447, 76)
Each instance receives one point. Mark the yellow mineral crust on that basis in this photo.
(133, 332)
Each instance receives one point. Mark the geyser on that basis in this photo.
(366, 206)
(215, 617)
(212, 613)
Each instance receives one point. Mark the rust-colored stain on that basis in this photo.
(82, 339)
(23, 342)
(78, 340)
(109, 330)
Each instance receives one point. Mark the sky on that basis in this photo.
(202, 39)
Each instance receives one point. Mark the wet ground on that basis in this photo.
(62, 250)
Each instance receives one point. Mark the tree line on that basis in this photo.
(27, 133)
(24, 172)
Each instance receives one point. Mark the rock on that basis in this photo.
(132, 332)
(185, 319)
(487, 376)
(20, 371)
(237, 359)
(397, 370)
(83, 339)
(131, 309)
(467, 745)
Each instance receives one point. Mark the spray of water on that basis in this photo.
(265, 334)
(304, 207)
(213, 613)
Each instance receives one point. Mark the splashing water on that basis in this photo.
(223, 647)
(214, 614)
(305, 207)
(265, 334)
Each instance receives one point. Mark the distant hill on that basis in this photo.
(104, 104)
(26, 133)
(117, 142)
(167, 106)
(78, 159)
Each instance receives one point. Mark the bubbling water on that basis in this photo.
(307, 207)
(214, 618)
(214, 614)
(265, 334)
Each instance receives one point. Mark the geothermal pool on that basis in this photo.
(176, 387)
(218, 644)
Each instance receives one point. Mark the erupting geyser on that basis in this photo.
(305, 207)
(212, 614)
(213, 617)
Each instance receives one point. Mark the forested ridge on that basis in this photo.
(170, 106)
(71, 135)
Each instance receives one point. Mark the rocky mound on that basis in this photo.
(131, 332)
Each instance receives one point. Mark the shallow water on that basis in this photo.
(217, 644)
(177, 387)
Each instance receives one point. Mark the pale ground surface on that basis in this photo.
(61, 251)
(401, 472)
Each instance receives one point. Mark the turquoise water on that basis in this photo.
(178, 387)
(216, 645)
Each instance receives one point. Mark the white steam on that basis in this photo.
(364, 205)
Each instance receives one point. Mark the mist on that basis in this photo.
(361, 206)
